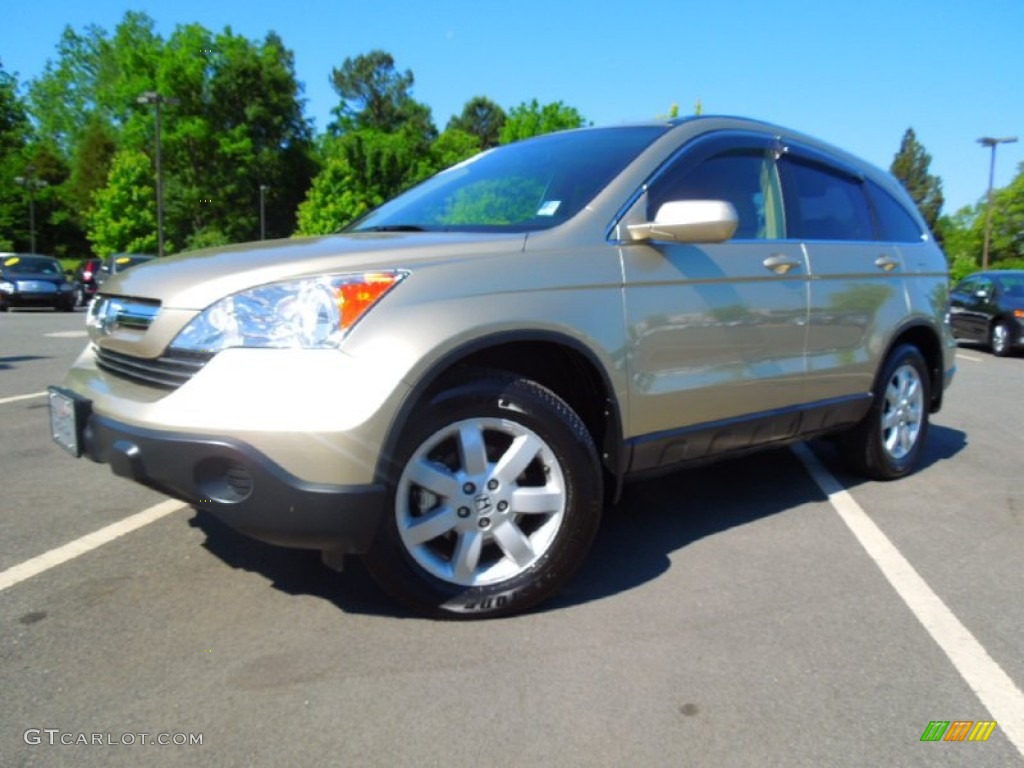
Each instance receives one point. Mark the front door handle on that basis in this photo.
(779, 264)
(888, 263)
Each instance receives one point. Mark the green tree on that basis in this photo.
(482, 118)
(333, 199)
(452, 147)
(14, 136)
(90, 164)
(124, 216)
(910, 165)
(95, 78)
(376, 96)
(532, 119)
(964, 232)
(238, 125)
(232, 121)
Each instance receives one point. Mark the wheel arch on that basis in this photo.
(556, 361)
(925, 338)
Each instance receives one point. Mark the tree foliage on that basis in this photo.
(14, 136)
(375, 96)
(124, 217)
(532, 119)
(232, 120)
(366, 168)
(482, 118)
(911, 165)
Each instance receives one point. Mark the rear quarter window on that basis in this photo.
(895, 223)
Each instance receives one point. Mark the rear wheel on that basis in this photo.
(495, 504)
(999, 339)
(888, 442)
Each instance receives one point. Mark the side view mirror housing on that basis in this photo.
(689, 221)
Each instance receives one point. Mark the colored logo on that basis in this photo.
(958, 730)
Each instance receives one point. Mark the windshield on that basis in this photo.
(31, 265)
(529, 185)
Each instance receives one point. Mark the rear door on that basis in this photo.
(856, 281)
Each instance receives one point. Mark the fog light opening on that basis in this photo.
(223, 480)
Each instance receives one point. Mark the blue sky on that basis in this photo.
(857, 74)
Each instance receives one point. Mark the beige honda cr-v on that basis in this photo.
(456, 385)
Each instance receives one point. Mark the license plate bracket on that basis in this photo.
(68, 414)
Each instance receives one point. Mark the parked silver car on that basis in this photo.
(457, 385)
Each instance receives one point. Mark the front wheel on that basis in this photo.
(888, 442)
(1000, 339)
(495, 503)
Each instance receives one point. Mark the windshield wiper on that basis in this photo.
(393, 228)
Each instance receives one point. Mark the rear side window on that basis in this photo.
(822, 204)
(895, 223)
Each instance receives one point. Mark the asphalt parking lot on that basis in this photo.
(732, 615)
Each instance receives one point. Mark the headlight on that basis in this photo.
(311, 313)
(6, 287)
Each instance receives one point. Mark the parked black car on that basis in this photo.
(988, 307)
(31, 280)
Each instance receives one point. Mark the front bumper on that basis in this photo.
(240, 486)
(22, 299)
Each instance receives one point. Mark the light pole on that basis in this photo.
(152, 97)
(263, 211)
(31, 183)
(988, 141)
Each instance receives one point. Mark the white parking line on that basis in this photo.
(87, 543)
(67, 334)
(962, 356)
(16, 398)
(997, 692)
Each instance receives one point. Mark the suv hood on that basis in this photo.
(196, 280)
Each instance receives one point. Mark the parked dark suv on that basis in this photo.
(456, 385)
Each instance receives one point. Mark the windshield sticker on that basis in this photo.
(549, 208)
(12, 261)
(124, 260)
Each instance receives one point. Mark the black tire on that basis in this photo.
(999, 339)
(508, 478)
(887, 444)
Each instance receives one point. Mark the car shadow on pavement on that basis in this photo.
(297, 571)
(654, 519)
(8, 362)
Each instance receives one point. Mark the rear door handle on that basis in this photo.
(779, 264)
(888, 263)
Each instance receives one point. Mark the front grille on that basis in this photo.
(169, 371)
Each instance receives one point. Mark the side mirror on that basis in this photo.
(689, 221)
